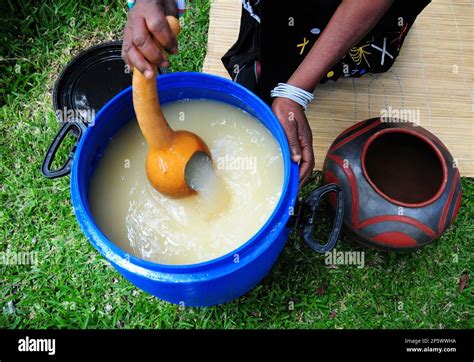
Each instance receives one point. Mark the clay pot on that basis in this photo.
(401, 185)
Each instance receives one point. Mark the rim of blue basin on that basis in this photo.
(146, 268)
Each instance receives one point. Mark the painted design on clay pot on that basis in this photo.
(401, 184)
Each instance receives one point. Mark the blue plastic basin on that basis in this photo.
(204, 284)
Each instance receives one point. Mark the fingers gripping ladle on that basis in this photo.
(170, 152)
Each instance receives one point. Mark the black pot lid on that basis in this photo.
(89, 81)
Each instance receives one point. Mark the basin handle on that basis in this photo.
(312, 203)
(77, 128)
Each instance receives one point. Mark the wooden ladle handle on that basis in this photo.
(152, 123)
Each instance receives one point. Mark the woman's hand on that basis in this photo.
(352, 20)
(300, 138)
(146, 32)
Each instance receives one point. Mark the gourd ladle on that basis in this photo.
(171, 154)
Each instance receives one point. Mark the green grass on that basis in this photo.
(74, 287)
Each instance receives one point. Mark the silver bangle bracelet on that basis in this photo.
(298, 95)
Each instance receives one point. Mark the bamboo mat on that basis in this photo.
(433, 74)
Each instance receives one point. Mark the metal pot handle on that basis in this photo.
(312, 202)
(77, 128)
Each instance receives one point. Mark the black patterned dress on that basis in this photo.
(274, 38)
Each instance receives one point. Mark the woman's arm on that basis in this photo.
(352, 20)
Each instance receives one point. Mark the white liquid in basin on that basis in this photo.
(225, 214)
